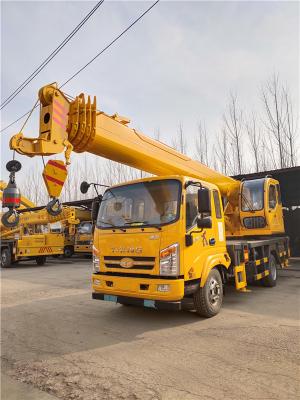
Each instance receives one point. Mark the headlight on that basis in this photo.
(96, 261)
(169, 260)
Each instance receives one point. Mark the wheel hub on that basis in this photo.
(214, 291)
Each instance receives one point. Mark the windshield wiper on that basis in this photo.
(113, 226)
(144, 224)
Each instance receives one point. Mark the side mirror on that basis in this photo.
(204, 201)
(84, 187)
(95, 208)
(204, 222)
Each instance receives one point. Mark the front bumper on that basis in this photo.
(157, 304)
(83, 249)
(138, 287)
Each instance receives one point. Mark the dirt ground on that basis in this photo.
(56, 339)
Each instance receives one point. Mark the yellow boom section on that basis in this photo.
(77, 125)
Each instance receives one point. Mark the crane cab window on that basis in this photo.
(191, 213)
(278, 193)
(191, 206)
(272, 196)
(217, 204)
(252, 196)
(85, 228)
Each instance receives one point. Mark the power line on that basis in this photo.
(17, 120)
(50, 57)
(110, 44)
(94, 58)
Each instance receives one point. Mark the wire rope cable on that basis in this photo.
(92, 60)
(50, 57)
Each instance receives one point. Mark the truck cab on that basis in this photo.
(84, 238)
(155, 245)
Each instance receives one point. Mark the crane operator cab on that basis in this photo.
(261, 207)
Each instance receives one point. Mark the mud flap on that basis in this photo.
(240, 277)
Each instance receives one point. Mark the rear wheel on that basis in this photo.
(40, 260)
(208, 299)
(5, 258)
(270, 280)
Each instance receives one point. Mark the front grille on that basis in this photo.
(83, 242)
(146, 263)
(254, 222)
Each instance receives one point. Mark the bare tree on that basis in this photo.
(222, 152)
(179, 142)
(157, 135)
(277, 108)
(201, 144)
(233, 124)
(33, 187)
(290, 129)
(254, 135)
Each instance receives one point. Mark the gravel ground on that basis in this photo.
(56, 339)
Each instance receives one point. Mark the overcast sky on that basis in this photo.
(178, 64)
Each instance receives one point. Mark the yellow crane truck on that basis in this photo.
(78, 238)
(33, 238)
(172, 238)
(84, 238)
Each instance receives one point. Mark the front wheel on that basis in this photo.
(270, 280)
(5, 258)
(40, 260)
(208, 299)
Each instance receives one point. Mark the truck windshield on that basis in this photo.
(253, 195)
(140, 204)
(85, 228)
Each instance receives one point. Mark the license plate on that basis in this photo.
(108, 297)
(149, 303)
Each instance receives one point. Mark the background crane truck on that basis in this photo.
(33, 238)
(175, 237)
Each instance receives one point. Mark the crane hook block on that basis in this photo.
(55, 174)
(8, 221)
(11, 196)
(54, 207)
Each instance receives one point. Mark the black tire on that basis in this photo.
(68, 251)
(208, 299)
(5, 258)
(40, 260)
(271, 279)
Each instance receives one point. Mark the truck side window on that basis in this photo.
(217, 204)
(272, 196)
(278, 193)
(191, 206)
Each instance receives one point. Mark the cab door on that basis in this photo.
(274, 207)
(199, 244)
